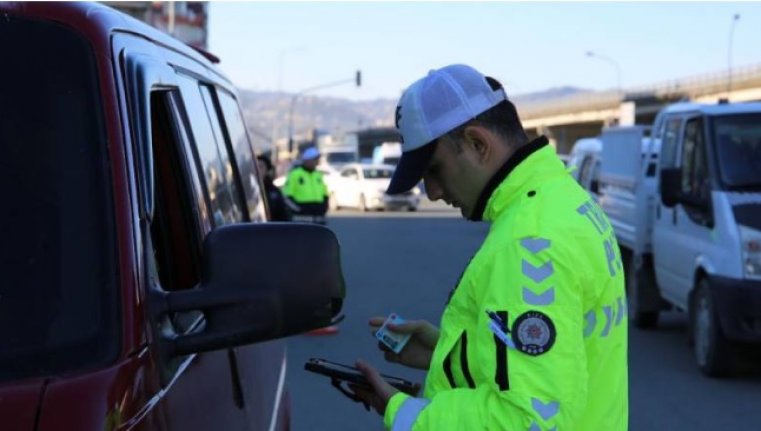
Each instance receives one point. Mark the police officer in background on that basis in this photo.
(276, 201)
(305, 190)
(533, 337)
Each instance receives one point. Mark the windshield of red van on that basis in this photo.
(738, 144)
(58, 292)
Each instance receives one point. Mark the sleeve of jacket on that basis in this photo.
(538, 381)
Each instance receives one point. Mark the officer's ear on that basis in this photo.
(481, 141)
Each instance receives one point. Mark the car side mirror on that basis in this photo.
(670, 186)
(259, 281)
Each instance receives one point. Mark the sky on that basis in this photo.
(293, 46)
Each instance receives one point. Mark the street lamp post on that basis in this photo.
(275, 125)
(735, 18)
(357, 79)
(610, 61)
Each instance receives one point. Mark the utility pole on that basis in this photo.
(357, 79)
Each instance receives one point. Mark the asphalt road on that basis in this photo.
(407, 263)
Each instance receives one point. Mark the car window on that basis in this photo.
(243, 154)
(594, 182)
(59, 298)
(738, 146)
(695, 178)
(670, 142)
(224, 206)
(585, 171)
(175, 233)
(228, 185)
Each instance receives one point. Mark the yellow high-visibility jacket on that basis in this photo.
(550, 270)
(305, 187)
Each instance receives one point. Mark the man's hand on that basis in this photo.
(381, 392)
(419, 349)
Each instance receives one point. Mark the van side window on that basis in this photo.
(175, 226)
(670, 142)
(229, 176)
(695, 178)
(223, 197)
(594, 184)
(585, 171)
(240, 145)
(223, 203)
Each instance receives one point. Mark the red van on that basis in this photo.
(140, 290)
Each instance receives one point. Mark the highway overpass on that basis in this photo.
(566, 119)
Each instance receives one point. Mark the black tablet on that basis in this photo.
(351, 374)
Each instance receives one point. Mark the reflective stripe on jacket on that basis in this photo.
(303, 186)
(550, 270)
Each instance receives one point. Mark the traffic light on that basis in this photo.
(359, 78)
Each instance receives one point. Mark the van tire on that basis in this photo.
(714, 353)
(638, 283)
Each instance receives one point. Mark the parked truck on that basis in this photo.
(686, 209)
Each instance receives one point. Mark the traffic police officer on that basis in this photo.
(533, 337)
(305, 190)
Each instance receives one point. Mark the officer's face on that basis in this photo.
(454, 176)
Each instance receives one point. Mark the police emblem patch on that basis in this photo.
(533, 333)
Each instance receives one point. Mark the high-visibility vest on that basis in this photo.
(550, 270)
(303, 186)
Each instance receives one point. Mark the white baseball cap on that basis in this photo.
(433, 106)
(310, 153)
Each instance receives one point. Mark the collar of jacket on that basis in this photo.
(306, 170)
(521, 168)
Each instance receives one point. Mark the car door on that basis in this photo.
(665, 229)
(198, 391)
(694, 213)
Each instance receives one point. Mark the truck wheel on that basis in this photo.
(714, 353)
(635, 281)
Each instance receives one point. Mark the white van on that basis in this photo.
(690, 230)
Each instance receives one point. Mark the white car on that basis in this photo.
(364, 186)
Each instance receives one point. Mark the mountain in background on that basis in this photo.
(545, 95)
(267, 113)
